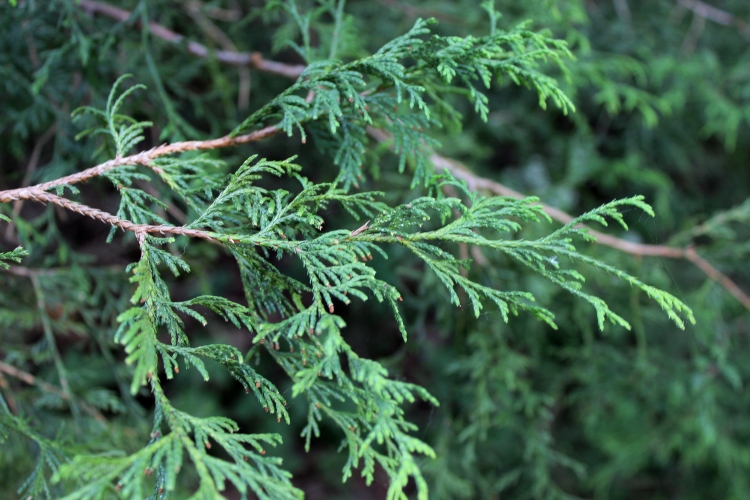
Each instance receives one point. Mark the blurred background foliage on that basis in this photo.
(662, 96)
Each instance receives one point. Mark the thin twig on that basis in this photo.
(28, 272)
(716, 275)
(694, 33)
(706, 11)
(33, 54)
(226, 15)
(36, 194)
(30, 169)
(142, 158)
(709, 12)
(414, 12)
(623, 10)
(249, 59)
(193, 8)
(178, 214)
(5, 386)
(39, 192)
(32, 380)
(50, 338)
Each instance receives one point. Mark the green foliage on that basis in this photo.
(124, 131)
(162, 458)
(15, 255)
(278, 239)
(366, 91)
(50, 452)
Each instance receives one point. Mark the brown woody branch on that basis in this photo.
(37, 194)
(142, 158)
(247, 59)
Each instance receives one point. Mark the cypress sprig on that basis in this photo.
(15, 255)
(348, 97)
(123, 131)
(405, 88)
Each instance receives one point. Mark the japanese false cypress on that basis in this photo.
(256, 213)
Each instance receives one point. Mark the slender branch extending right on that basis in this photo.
(256, 61)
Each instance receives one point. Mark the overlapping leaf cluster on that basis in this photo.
(411, 72)
(402, 88)
(256, 224)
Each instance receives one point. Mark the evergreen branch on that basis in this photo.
(538, 255)
(265, 391)
(477, 183)
(376, 431)
(15, 255)
(124, 130)
(461, 172)
(468, 58)
(248, 469)
(51, 454)
(50, 339)
(188, 435)
(263, 221)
